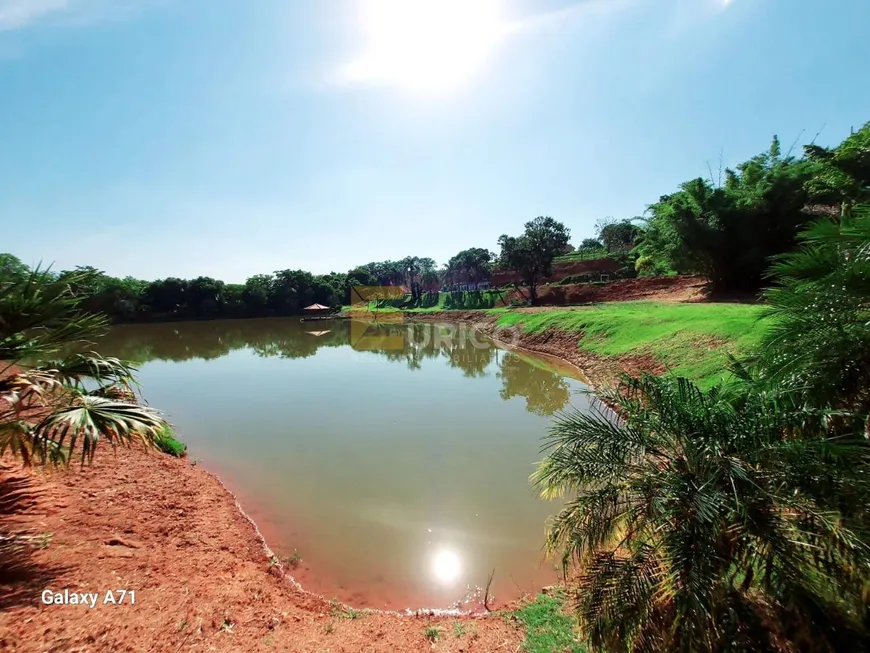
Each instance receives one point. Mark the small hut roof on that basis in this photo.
(317, 307)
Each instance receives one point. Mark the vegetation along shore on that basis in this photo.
(725, 510)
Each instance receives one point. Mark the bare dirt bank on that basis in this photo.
(172, 533)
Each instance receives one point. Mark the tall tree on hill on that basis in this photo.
(842, 174)
(616, 235)
(472, 265)
(532, 253)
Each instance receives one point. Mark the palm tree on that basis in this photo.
(819, 340)
(430, 280)
(707, 521)
(737, 518)
(51, 409)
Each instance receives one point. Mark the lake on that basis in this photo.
(394, 458)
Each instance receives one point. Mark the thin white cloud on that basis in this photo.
(25, 14)
(18, 14)
(571, 14)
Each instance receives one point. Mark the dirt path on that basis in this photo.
(170, 532)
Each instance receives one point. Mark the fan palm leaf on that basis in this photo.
(53, 410)
(701, 518)
(88, 420)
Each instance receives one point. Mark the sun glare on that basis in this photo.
(446, 567)
(425, 45)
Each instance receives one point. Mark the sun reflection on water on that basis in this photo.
(446, 566)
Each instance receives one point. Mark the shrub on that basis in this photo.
(644, 264)
(167, 443)
(579, 278)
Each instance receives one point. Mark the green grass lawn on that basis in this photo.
(693, 340)
(548, 627)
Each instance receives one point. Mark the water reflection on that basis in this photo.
(545, 391)
(446, 566)
(395, 458)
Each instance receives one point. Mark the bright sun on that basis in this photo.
(425, 45)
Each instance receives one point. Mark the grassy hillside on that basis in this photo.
(693, 340)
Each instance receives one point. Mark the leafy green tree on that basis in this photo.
(51, 410)
(691, 231)
(471, 265)
(615, 235)
(258, 293)
(11, 268)
(361, 276)
(328, 289)
(591, 243)
(291, 291)
(430, 280)
(119, 298)
(233, 300)
(842, 174)
(168, 296)
(729, 233)
(532, 253)
(204, 295)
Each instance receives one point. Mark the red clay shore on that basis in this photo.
(172, 533)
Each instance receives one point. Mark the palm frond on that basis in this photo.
(104, 370)
(39, 315)
(91, 418)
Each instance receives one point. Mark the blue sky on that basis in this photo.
(207, 137)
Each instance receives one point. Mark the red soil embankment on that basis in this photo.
(561, 269)
(171, 532)
(674, 289)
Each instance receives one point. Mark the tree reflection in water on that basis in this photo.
(545, 392)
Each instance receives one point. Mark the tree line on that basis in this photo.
(284, 292)
(723, 228)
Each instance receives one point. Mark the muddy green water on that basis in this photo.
(395, 459)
